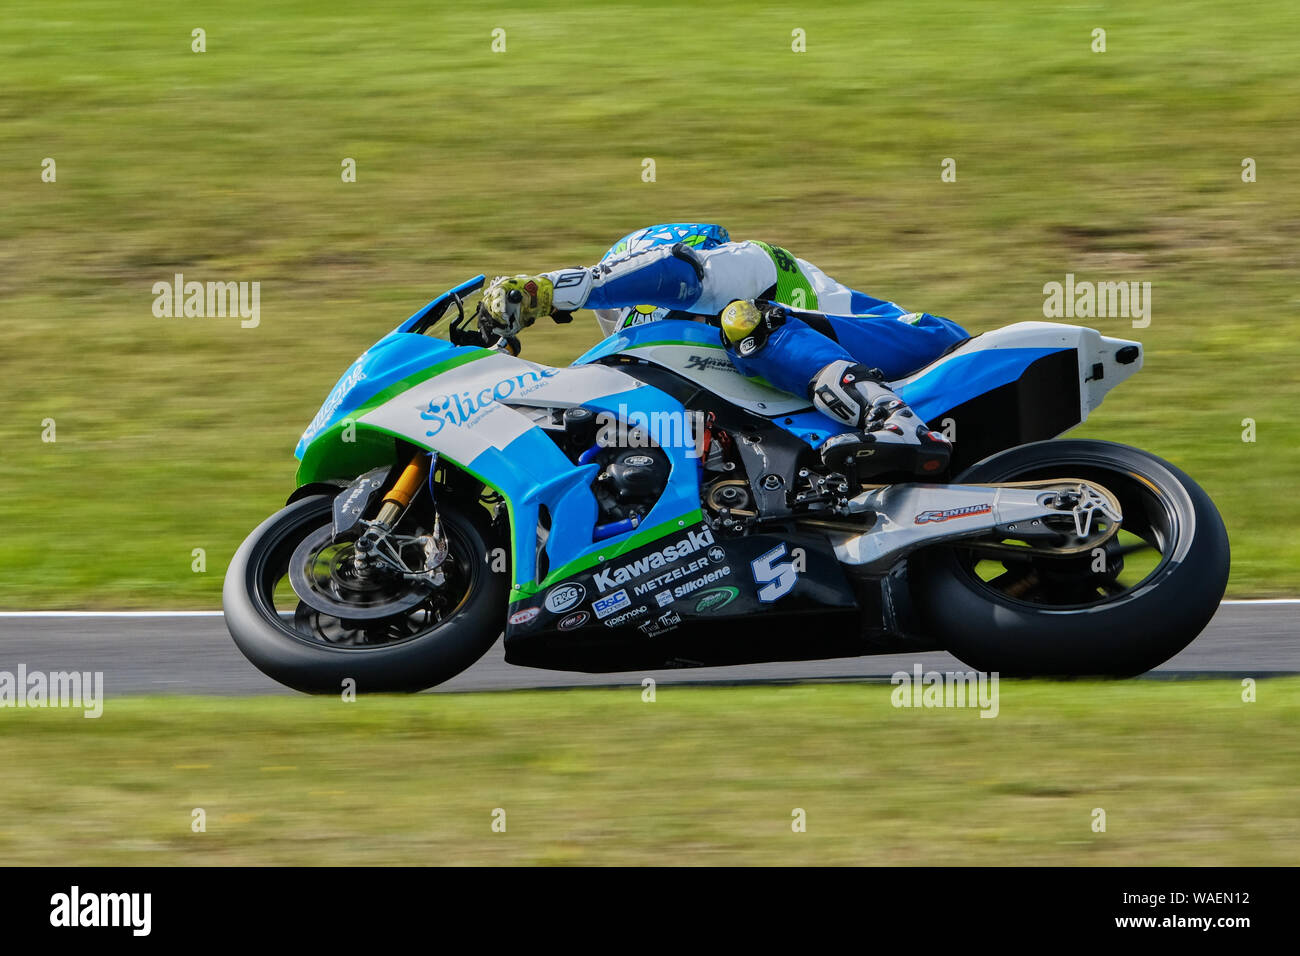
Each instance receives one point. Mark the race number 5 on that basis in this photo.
(776, 577)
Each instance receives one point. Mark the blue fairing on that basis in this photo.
(391, 359)
(945, 386)
(948, 384)
(667, 330)
(565, 490)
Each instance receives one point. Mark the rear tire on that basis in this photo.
(272, 640)
(1121, 635)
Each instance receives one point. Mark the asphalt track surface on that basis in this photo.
(192, 653)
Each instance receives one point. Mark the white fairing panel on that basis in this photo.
(709, 367)
(464, 412)
(1094, 349)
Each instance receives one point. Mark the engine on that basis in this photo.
(630, 481)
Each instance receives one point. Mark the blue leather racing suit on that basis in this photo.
(693, 270)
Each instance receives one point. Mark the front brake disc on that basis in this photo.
(325, 578)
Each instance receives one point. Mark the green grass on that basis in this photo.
(175, 434)
(1186, 773)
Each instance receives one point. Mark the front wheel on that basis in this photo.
(1116, 610)
(428, 637)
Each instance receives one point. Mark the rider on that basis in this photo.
(780, 318)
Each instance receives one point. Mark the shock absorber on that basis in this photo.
(395, 502)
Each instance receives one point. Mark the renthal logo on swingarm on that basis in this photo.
(927, 517)
(458, 409)
(613, 577)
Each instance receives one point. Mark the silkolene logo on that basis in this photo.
(458, 409)
(926, 517)
(613, 577)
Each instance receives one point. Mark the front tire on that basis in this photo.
(1050, 617)
(270, 628)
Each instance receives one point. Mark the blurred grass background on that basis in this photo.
(176, 434)
(1186, 773)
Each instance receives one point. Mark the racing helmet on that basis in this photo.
(697, 235)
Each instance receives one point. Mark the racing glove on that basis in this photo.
(512, 303)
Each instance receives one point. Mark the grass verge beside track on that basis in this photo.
(1186, 772)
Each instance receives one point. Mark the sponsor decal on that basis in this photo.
(576, 619)
(705, 363)
(672, 574)
(664, 598)
(927, 517)
(662, 625)
(460, 409)
(690, 587)
(716, 554)
(638, 461)
(626, 616)
(715, 599)
(566, 279)
(639, 568)
(562, 597)
(524, 616)
(340, 391)
(610, 603)
(776, 578)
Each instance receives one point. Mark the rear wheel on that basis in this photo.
(403, 637)
(1118, 609)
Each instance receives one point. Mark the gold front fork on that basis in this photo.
(400, 495)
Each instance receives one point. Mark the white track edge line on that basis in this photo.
(15, 614)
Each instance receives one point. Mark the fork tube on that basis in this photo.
(400, 495)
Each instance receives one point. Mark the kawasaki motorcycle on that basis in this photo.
(649, 506)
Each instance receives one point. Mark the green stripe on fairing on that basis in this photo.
(335, 430)
(389, 392)
(568, 570)
(668, 527)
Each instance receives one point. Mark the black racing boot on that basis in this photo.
(891, 436)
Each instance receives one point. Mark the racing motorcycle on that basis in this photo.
(649, 506)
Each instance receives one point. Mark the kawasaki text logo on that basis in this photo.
(613, 577)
